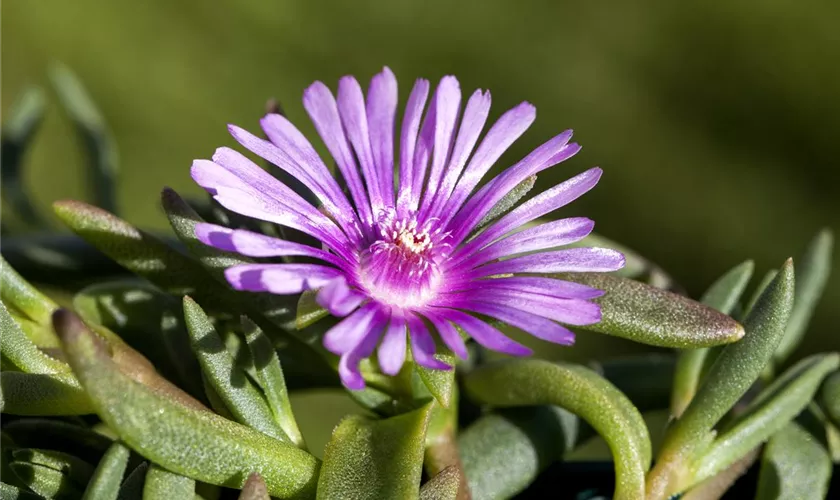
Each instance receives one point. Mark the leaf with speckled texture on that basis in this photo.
(794, 465)
(444, 486)
(18, 350)
(19, 293)
(164, 485)
(194, 443)
(373, 459)
(642, 313)
(43, 394)
(527, 382)
(107, 478)
(508, 201)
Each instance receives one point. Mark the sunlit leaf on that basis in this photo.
(18, 350)
(17, 292)
(9, 492)
(164, 485)
(107, 478)
(582, 392)
(444, 486)
(194, 443)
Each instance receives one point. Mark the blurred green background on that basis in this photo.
(716, 122)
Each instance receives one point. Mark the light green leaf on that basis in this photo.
(813, 269)
(164, 485)
(735, 370)
(777, 405)
(46, 481)
(440, 383)
(373, 459)
(254, 489)
(504, 451)
(194, 443)
(24, 297)
(77, 470)
(91, 126)
(649, 315)
(43, 394)
(9, 492)
(830, 397)
(18, 350)
(107, 478)
(582, 392)
(244, 400)
(308, 310)
(723, 295)
(794, 465)
(444, 486)
(269, 374)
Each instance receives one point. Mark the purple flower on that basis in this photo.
(400, 260)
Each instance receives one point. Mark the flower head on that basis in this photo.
(401, 259)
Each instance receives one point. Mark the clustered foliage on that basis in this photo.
(157, 380)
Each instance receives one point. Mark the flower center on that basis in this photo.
(400, 267)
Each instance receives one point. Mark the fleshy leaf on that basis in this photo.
(44, 394)
(643, 313)
(194, 443)
(582, 392)
(504, 451)
(734, 371)
(774, 408)
(9, 492)
(18, 350)
(164, 485)
(508, 201)
(17, 292)
(132, 487)
(813, 269)
(723, 295)
(794, 465)
(240, 395)
(440, 383)
(830, 397)
(58, 435)
(254, 489)
(308, 310)
(444, 486)
(373, 459)
(23, 120)
(107, 478)
(91, 126)
(46, 481)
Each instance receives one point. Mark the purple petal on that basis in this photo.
(323, 110)
(392, 349)
(484, 334)
(423, 345)
(282, 279)
(422, 155)
(351, 108)
(258, 245)
(346, 335)
(381, 113)
(537, 326)
(572, 260)
(534, 284)
(569, 311)
(348, 365)
(484, 200)
(472, 123)
(549, 235)
(447, 104)
(448, 333)
(542, 204)
(337, 298)
(408, 142)
(502, 134)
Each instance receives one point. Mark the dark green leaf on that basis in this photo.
(106, 480)
(644, 379)
(582, 392)
(194, 443)
(132, 488)
(244, 400)
(723, 295)
(46, 481)
(91, 127)
(830, 397)
(373, 459)
(444, 486)
(9, 492)
(254, 489)
(308, 310)
(23, 120)
(812, 273)
(508, 201)
(768, 278)
(504, 451)
(645, 314)
(77, 470)
(164, 485)
(794, 465)
(43, 394)
(58, 435)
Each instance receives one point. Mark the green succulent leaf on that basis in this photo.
(194, 443)
(58, 435)
(768, 278)
(830, 397)
(644, 379)
(269, 375)
(91, 127)
(77, 470)
(46, 481)
(794, 465)
(35, 394)
(10, 492)
(444, 486)
(723, 295)
(813, 269)
(508, 201)
(132, 487)
(308, 310)
(440, 383)
(504, 451)
(240, 395)
(107, 478)
(18, 350)
(582, 392)
(164, 485)
(24, 297)
(19, 128)
(643, 313)
(254, 488)
(372, 459)
(774, 408)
